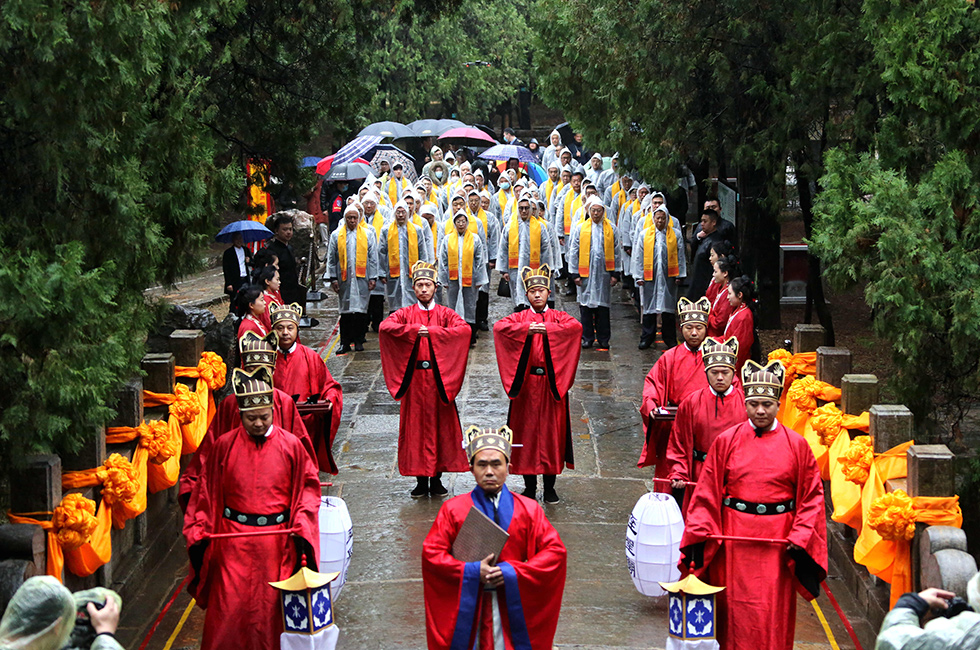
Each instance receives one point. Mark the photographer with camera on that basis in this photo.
(44, 615)
(933, 619)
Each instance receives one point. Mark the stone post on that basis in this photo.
(38, 484)
(858, 393)
(807, 338)
(930, 475)
(129, 404)
(92, 454)
(891, 425)
(187, 346)
(833, 364)
(159, 369)
(945, 562)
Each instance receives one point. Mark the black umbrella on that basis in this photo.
(392, 130)
(486, 129)
(566, 133)
(351, 171)
(426, 128)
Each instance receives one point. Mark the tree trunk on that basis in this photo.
(760, 255)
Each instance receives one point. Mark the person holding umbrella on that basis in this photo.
(235, 264)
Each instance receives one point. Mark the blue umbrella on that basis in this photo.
(309, 161)
(537, 173)
(250, 230)
(508, 151)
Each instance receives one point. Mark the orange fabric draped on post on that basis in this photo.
(190, 410)
(123, 484)
(801, 401)
(892, 518)
(804, 363)
(162, 442)
(75, 534)
(822, 432)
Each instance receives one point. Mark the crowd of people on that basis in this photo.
(427, 253)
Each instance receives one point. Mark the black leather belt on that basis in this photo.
(760, 508)
(423, 365)
(256, 520)
(700, 455)
(537, 370)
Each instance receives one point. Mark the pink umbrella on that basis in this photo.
(325, 164)
(467, 135)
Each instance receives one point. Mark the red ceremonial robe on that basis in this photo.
(741, 326)
(229, 577)
(228, 418)
(426, 375)
(757, 609)
(701, 416)
(251, 324)
(676, 374)
(537, 372)
(533, 562)
(302, 374)
(721, 310)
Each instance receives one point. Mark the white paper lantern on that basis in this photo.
(653, 542)
(336, 541)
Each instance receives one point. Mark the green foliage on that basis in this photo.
(903, 220)
(416, 60)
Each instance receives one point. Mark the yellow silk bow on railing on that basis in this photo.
(158, 451)
(74, 534)
(123, 486)
(823, 430)
(804, 363)
(801, 401)
(890, 527)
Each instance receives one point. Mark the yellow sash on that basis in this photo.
(393, 186)
(572, 203)
(394, 256)
(378, 223)
(482, 216)
(514, 242)
(453, 245)
(585, 247)
(649, 244)
(360, 257)
(503, 198)
(549, 185)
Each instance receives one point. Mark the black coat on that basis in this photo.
(231, 270)
(700, 271)
(289, 286)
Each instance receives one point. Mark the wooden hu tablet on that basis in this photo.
(478, 537)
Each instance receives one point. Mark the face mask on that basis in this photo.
(504, 185)
(439, 175)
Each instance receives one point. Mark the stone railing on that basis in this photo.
(939, 553)
(146, 539)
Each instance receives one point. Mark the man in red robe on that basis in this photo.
(423, 356)
(537, 355)
(511, 601)
(760, 480)
(677, 373)
(703, 414)
(257, 479)
(302, 374)
(254, 352)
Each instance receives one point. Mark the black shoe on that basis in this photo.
(421, 489)
(342, 350)
(586, 344)
(483, 326)
(550, 496)
(644, 344)
(529, 493)
(358, 347)
(436, 488)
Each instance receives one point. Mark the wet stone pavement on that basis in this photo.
(381, 606)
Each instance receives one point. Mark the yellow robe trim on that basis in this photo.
(572, 203)
(585, 247)
(514, 242)
(360, 257)
(468, 250)
(649, 244)
(394, 255)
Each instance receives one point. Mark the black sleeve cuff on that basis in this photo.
(914, 602)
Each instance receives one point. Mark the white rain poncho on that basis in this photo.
(595, 290)
(354, 292)
(658, 295)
